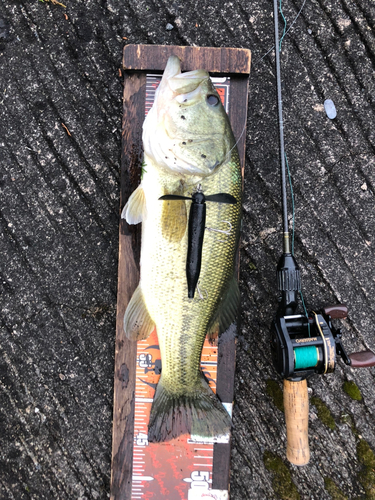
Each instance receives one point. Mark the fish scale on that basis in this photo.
(174, 312)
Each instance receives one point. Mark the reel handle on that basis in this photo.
(296, 406)
(339, 311)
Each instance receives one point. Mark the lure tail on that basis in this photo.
(200, 414)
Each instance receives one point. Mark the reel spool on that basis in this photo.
(303, 346)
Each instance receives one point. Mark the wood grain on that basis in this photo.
(214, 60)
(128, 277)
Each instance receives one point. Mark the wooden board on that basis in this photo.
(215, 60)
(138, 61)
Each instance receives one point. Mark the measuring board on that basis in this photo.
(184, 468)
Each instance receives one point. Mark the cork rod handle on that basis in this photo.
(296, 405)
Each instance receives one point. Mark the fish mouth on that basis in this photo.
(181, 83)
(185, 87)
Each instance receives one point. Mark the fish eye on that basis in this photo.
(212, 100)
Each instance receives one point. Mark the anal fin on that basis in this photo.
(138, 323)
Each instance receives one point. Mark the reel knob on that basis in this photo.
(362, 359)
(339, 311)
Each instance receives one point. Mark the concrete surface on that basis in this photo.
(60, 145)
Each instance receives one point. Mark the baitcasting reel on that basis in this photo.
(304, 345)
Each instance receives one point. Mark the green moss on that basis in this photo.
(333, 489)
(367, 475)
(275, 393)
(252, 266)
(324, 413)
(282, 482)
(352, 390)
(365, 454)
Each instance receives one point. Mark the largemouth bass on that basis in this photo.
(187, 142)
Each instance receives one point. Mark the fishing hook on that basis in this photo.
(222, 231)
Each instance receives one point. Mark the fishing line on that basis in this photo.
(292, 199)
(305, 310)
(293, 214)
(287, 166)
(238, 140)
(286, 32)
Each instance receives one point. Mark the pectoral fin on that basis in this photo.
(227, 310)
(138, 324)
(135, 208)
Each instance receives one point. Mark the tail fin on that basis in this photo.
(201, 414)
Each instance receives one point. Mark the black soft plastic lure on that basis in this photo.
(197, 225)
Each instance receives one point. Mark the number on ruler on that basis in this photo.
(199, 479)
(141, 439)
(145, 360)
(221, 92)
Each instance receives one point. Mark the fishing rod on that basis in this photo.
(302, 344)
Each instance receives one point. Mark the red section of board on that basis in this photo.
(167, 470)
(221, 85)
